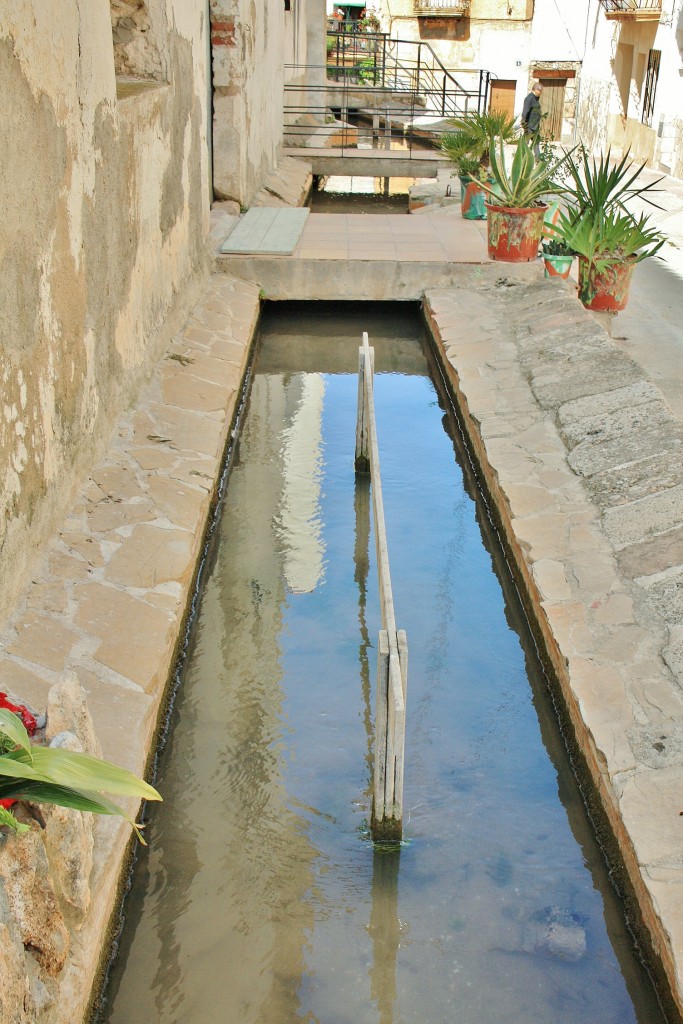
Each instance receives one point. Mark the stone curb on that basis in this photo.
(575, 447)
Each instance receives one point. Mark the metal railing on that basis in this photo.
(398, 88)
(639, 10)
(407, 66)
(442, 8)
(392, 658)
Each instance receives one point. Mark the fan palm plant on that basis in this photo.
(52, 775)
(472, 138)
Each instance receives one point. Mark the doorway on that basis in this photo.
(503, 96)
(552, 107)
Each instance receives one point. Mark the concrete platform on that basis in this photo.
(364, 257)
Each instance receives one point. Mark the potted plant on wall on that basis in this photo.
(516, 205)
(597, 224)
(468, 148)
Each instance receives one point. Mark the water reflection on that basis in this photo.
(297, 521)
(385, 931)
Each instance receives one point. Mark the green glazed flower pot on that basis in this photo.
(557, 266)
(472, 198)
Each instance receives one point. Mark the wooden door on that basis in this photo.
(503, 96)
(552, 105)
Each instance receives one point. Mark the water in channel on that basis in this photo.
(261, 899)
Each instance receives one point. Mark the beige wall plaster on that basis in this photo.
(105, 211)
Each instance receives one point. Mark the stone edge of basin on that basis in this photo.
(568, 436)
(110, 594)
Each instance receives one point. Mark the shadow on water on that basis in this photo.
(260, 899)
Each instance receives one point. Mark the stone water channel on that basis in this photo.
(261, 899)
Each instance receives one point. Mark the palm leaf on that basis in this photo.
(82, 771)
(13, 727)
(63, 796)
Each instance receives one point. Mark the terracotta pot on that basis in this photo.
(607, 290)
(472, 196)
(514, 234)
(557, 266)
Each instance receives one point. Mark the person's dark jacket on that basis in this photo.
(531, 114)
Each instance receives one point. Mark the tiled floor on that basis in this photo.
(439, 236)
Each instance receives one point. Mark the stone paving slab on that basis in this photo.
(272, 232)
(584, 468)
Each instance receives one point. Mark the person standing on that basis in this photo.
(531, 118)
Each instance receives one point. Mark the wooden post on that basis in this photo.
(366, 358)
(381, 721)
(392, 654)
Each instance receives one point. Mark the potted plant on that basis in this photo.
(516, 205)
(597, 224)
(468, 148)
(471, 173)
(557, 257)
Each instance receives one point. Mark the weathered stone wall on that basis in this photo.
(256, 46)
(104, 210)
(45, 882)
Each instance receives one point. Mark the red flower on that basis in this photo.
(19, 709)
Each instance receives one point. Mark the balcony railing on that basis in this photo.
(441, 8)
(632, 10)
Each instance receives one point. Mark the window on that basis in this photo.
(651, 78)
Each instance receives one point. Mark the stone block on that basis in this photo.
(644, 519)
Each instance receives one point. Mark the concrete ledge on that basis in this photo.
(523, 361)
(374, 164)
(363, 280)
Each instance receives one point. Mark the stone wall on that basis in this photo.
(45, 879)
(257, 45)
(104, 208)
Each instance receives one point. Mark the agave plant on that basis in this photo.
(52, 775)
(557, 247)
(529, 180)
(469, 145)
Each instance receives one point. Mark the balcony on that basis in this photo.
(632, 10)
(441, 8)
